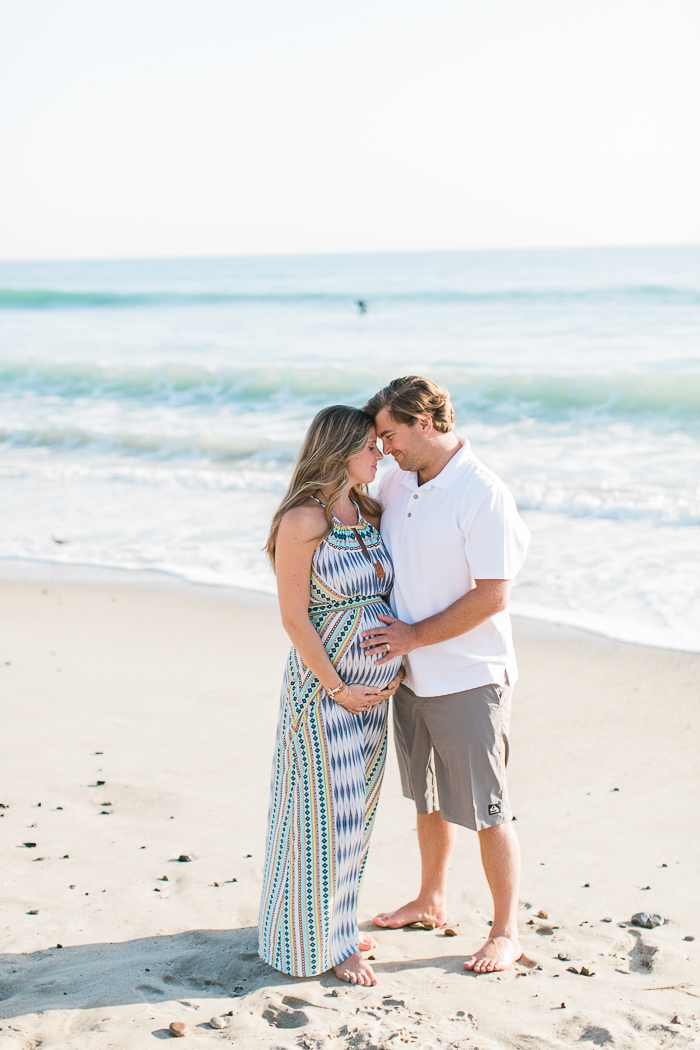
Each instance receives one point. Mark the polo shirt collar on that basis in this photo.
(447, 476)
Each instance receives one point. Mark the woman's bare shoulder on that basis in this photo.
(306, 522)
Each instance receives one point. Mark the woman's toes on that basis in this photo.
(356, 971)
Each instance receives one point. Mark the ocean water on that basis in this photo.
(151, 411)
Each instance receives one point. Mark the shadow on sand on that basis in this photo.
(199, 964)
(202, 963)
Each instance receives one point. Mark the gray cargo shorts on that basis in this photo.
(453, 752)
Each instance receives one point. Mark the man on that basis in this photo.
(457, 542)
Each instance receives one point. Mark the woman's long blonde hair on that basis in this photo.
(336, 435)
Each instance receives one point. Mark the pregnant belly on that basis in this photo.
(357, 666)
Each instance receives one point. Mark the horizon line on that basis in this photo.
(343, 254)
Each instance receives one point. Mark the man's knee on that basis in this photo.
(502, 831)
(434, 814)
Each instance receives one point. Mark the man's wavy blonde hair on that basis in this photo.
(336, 435)
(409, 397)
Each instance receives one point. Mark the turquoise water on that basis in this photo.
(150, 411)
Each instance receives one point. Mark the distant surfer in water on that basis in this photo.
(362, 306)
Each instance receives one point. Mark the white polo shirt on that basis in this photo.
(460, 527)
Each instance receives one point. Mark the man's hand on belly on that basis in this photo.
(397, 635)
(483, 601)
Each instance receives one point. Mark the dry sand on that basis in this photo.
(137, 725)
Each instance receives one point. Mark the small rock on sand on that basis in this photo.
(542, 914)
(647, 920)
(217, 1022)
(449, 932)
(184, 858)
(178, 1028)
(689, 937)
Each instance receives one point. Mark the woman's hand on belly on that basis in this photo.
(359, 698)
(389, 690)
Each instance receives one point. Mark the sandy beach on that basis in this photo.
(138, 717)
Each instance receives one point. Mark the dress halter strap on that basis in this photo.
(376, 565)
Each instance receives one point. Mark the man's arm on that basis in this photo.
(486, 599)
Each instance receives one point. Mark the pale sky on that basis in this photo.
(223, 127)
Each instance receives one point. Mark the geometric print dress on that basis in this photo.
(328, 767)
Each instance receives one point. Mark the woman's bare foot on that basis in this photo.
(367, 943)
(499, 953)
(414, 911)
(356, 971)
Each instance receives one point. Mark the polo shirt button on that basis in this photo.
(409, 514)
(416, 496)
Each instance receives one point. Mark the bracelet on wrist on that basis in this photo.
(332, 692)
(338, 692)
(344, 704)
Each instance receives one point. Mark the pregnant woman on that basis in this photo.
(334, 576)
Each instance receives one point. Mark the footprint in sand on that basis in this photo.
(294, 1003)
(282, 1017)
(642, 955)
(597, 1036)
(149, 991)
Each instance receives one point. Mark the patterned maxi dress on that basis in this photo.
(327, 769)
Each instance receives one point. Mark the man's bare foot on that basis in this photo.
(356, 971)
(367, 943)
(414, 911)
(499, 953)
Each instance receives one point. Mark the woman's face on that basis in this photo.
(362, 468)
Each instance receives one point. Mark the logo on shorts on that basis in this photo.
(494, 808)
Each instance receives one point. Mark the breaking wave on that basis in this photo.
(56, 299)
(299, 390)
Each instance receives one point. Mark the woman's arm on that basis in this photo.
(301, 531)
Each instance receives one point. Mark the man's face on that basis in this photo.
(407, 444)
